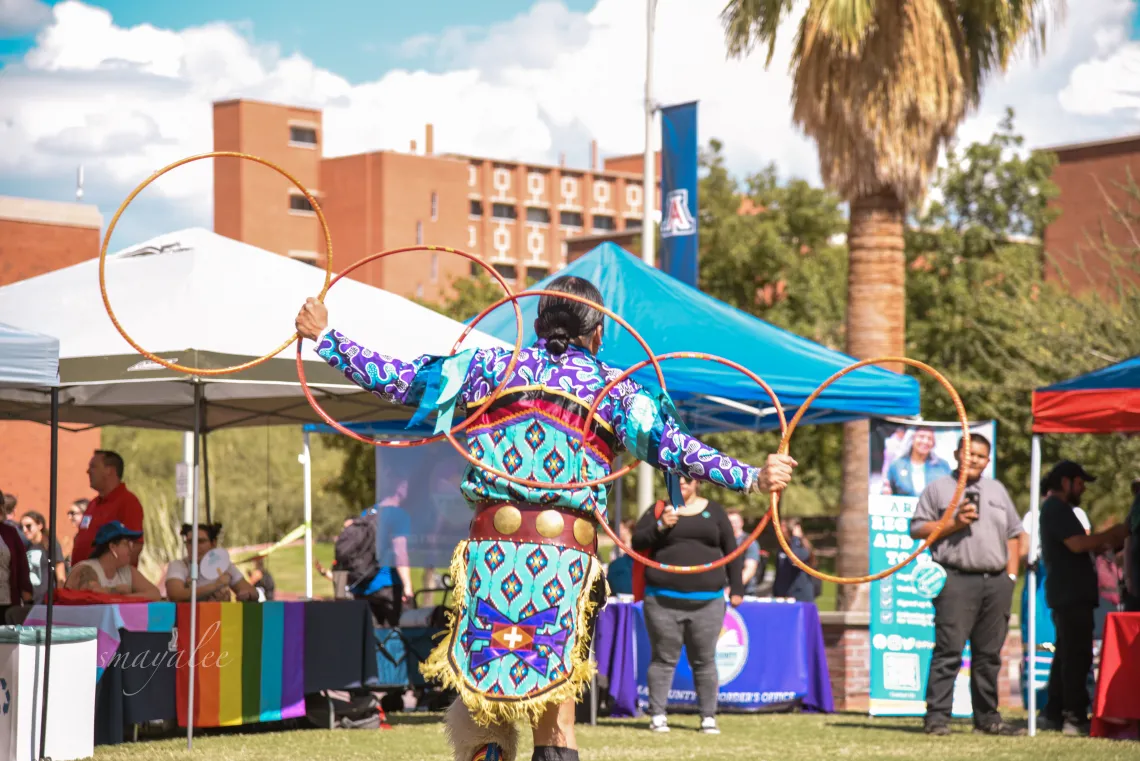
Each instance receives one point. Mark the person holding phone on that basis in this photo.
(980, 552)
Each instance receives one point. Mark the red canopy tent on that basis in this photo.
(1103, 401)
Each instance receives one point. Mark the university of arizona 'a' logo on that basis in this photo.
(678, 220)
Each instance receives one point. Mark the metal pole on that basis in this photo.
(1031, 578)
(206, 469)
(307, 466)
(53, 497)
(648, 223)
(188, 458)
(194, 569)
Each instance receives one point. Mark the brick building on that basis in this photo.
(516, 216)
(1092, 179)
(37, 237)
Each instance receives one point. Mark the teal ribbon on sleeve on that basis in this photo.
(442, 389)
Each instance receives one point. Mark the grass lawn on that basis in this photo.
(785, 737)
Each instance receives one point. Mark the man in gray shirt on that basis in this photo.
(979, 549)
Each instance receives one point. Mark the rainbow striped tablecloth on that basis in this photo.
(108, 619)
(249, 663)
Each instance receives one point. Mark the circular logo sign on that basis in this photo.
(929, 578)
(731, 647)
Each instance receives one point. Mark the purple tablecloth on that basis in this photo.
(782, 659)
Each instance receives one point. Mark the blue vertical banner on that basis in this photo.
(679, 162)
(904, 460)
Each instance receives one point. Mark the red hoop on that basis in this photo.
(601, 518)
(459, 426)
(586, 423)
(951, 510)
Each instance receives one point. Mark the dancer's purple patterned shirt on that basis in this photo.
(533, 430)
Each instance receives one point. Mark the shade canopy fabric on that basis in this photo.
(1103, 401)
(27, 360)
(200, 299)
(672, 316)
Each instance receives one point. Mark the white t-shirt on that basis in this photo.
(178, 569)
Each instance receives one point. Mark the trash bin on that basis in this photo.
(71, 697)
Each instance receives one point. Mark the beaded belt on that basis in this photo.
(537, 524)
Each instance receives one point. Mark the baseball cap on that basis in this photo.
(1066, 469)
(113, 530)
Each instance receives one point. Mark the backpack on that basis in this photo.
(355, 551)
(638, 566)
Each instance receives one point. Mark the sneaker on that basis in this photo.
(1048, 724)
(937, 730)
(658, 724)
(1075, 728)
(708, 725)
(999, 728)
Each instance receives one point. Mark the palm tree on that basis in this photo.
(881, 86)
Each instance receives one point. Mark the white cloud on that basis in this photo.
(18, 17)
(125, 101)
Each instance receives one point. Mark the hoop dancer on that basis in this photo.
(529, 585)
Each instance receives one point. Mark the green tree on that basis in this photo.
(881, 87)
(981, 311)
(778, 260)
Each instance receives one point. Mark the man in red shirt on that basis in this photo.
(114, 503)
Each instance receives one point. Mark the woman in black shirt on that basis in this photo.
(687, 609)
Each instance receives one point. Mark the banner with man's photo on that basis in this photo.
(905, 458)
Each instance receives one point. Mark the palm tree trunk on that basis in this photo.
(876, 319)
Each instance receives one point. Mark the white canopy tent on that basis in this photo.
(203, 300)
(29, 365)
(207, 301)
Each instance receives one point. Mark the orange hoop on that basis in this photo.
(941, 525)
(600, 517)
(586, 423)
(470, 418)
(123, 207)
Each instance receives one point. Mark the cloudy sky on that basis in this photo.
(125, 87)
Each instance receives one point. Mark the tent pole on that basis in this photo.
(53, 497)
(307, 467)
(188, 458)
(1031, 578)
(191, 713)
(206, 466)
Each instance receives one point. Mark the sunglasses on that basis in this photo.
(29, 526)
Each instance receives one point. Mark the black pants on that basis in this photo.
(1072, 659)
(387, 604)
(973, 607)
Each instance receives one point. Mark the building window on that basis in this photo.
(476, 208)
(477, 270)
(434, 206)
(298, 202)
(306, 136)
(536, 214)
(633, 224)
(508, 271)
(534, 274)
(434, 266)
(603, 223)
(570, 218)
(419, 233)
(504, 211)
